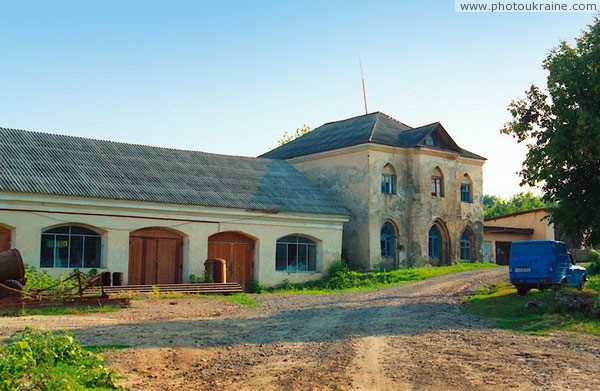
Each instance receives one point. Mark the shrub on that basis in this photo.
(37, 360)
(256, 287)
(594, 263)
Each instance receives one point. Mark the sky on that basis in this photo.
(232, 76)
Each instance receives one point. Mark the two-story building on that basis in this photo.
(414, 196)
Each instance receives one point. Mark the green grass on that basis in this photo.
(61, 311)
(97, 349)
(501, 304)
(340, 279)
(240, 299)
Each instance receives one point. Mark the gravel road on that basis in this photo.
(413, 336)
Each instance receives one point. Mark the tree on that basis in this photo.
(286, 138)
(494, 206)
(561, 128)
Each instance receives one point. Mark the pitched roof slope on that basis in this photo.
(375, 128)
(32, 162)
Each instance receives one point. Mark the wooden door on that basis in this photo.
(4, 239)
(503, 253)
(238, 251)
(155, 257)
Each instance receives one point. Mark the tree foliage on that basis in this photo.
(494, 206)
(561, 128)
(287, 137)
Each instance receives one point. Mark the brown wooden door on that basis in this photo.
(4, 239)
(238, 251)
(503, 253)
(155, 257)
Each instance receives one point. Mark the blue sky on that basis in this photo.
(232, 76)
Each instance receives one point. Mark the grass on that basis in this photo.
(61, 311)
(97, 349)
(340, 279)
(240, 299)
(501, 304)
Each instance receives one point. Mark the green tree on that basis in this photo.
(561, 128)
(286, 138)
(494, 206)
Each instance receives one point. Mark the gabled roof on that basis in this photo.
(373, 128)
(41, 163)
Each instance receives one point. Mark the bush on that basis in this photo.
(594, 263)
(256, 287)
(35, 360)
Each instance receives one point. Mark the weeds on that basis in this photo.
(340, 278)
(35, 360)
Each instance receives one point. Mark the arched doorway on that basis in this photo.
(238, 250)
(155, 257)
(4, 239)
(467, 245)
(438, 244)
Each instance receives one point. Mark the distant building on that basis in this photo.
(501, 231)
(414, 196)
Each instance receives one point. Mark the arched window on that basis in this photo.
(296, 254)
(388, 234)
(435, 243)
(437, 183)
(465, 189)
(466, 248)
(388, 180)
(71, 246)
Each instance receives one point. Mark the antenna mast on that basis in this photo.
(363, 85)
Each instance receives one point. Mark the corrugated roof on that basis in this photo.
(42, 163)
(375, 128)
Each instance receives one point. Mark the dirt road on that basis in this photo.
(413, 336)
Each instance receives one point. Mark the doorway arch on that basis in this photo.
(238, 250)
(155, 256)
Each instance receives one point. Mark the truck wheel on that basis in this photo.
(522, 290)
(560, 286)
(11, 284)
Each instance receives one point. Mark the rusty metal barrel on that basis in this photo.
(11, 266)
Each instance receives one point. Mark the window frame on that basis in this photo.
(434, 243)
(295, 245)
(64, 245)
(388, 184)
(466, 190)
(437, 186)
(466, 246)
(387, 241)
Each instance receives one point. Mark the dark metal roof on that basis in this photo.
(375, 128)
(42, 163)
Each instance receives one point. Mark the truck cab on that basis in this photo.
(543, 264)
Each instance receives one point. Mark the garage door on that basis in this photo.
(238, 250)
(155, 257)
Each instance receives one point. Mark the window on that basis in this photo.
(70, 247)
(465, 246)
(465, 190)
(429, 140)
(437, 183)
(296, 254)
(434, 243)
(388, 184)
(387, 241)
(388, 180)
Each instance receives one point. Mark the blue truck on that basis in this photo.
(543, 264)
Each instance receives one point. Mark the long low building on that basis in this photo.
(157, 214)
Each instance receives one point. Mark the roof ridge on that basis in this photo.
(125, 143)
(373, 128)
(394, 119)
(348, 119)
